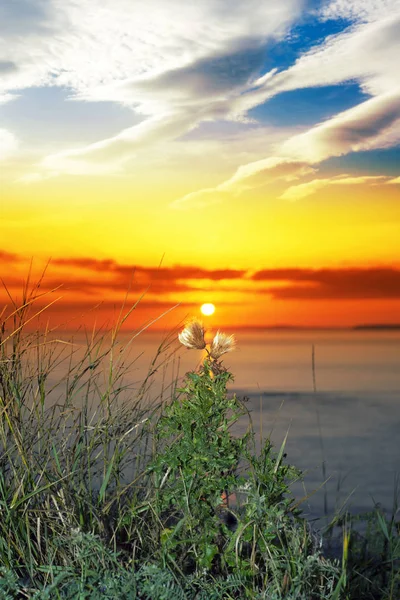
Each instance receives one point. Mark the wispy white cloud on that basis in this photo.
(108, 156)
(179, 64)
(89, 46)
(250, 176)
(365, 53)
(374, 123)
(176, 63)
(357, 10)
(266, 170)
(297, 192)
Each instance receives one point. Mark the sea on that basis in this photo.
(334, 395)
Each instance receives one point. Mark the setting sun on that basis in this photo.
(207, 309)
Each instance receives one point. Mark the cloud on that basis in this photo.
(109, 156)
(357, 10)
(372, 124)
(332, 284)
(266, 170)
(395, 181)
(299, 283)
(366, 52)
(96, 278)
(176, 272)
(109, 266)
(107, 278)
(177, 64)
(250, 176)
(297, 192)
(8, 144)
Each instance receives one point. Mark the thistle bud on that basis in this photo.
(193, 335)
(221, 344)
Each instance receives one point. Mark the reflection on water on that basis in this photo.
(357, 403)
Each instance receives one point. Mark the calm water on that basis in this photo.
(356, 407)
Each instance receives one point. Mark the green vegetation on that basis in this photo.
(109, 492)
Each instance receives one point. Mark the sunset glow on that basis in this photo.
(247, 152)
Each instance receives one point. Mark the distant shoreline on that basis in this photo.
(366, 327)
(395, 326)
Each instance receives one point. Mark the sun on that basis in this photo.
(207, 309)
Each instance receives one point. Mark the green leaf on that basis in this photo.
(383, 525)
(281, 451)
(209, 552)
(104, 485)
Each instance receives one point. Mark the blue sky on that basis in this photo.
(51, 115)
(308, 105)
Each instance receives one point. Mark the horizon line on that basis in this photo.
(260, 328)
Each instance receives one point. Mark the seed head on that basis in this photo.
(193, 335)
(221, 344)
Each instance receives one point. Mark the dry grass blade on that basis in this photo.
(25, 323)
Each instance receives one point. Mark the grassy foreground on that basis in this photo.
(107, 492)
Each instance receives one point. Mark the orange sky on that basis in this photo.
(87, 291)
(207, 153)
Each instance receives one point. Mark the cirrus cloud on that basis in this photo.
(366, 52)
(177, 64)
(303, 190)
(180, 64)
(248, 176)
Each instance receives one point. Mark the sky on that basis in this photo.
(170, 153)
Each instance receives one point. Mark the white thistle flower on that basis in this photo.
(193, 335)
(221, 344)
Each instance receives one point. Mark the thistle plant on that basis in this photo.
(197, 457)
(221, 510)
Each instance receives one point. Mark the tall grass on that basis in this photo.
(109, 490)
(74, 439)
